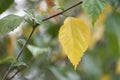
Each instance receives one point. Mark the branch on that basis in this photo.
(21, 69)
(34, 27)
(19, 54)
(16, 73)
(60, 13)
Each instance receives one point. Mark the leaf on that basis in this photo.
(57, 73)
(91, 66)
(21, 41)
(30, 13)
(38, 19)
(97, 32)
(113, 23)
(19, 65)
(5, 4)
(94, 8)
(6, 60)
(9, 23)
(36, 51)
(74, 37)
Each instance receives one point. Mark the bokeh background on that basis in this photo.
(44, 55)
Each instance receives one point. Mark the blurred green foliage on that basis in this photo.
(5, 5)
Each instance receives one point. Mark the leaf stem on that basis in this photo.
(34, 27)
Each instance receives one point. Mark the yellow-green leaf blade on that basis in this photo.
(74, 37)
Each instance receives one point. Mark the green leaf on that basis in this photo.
(9, 23)
(38, 19)
(21, 41)
(19, 65)
(90, 66)
(113, 23)
(114, 3)
(36, 51)
(30, 13)
(113, 32)
(5, 4)
(7, 60)
(94, 8)
(57, 73)
(30, 16)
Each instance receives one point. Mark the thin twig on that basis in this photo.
(19, 54)
(60, 13)
(16, 73)
(19, 70)
(34, 27)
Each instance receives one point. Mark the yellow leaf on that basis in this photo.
(74, 36)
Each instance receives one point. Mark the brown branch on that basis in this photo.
(34, 27)
(19, 54)
(60, 13)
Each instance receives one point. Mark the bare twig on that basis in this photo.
(60, 13)
(19, 54)
(19, 70)
(34, 27)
